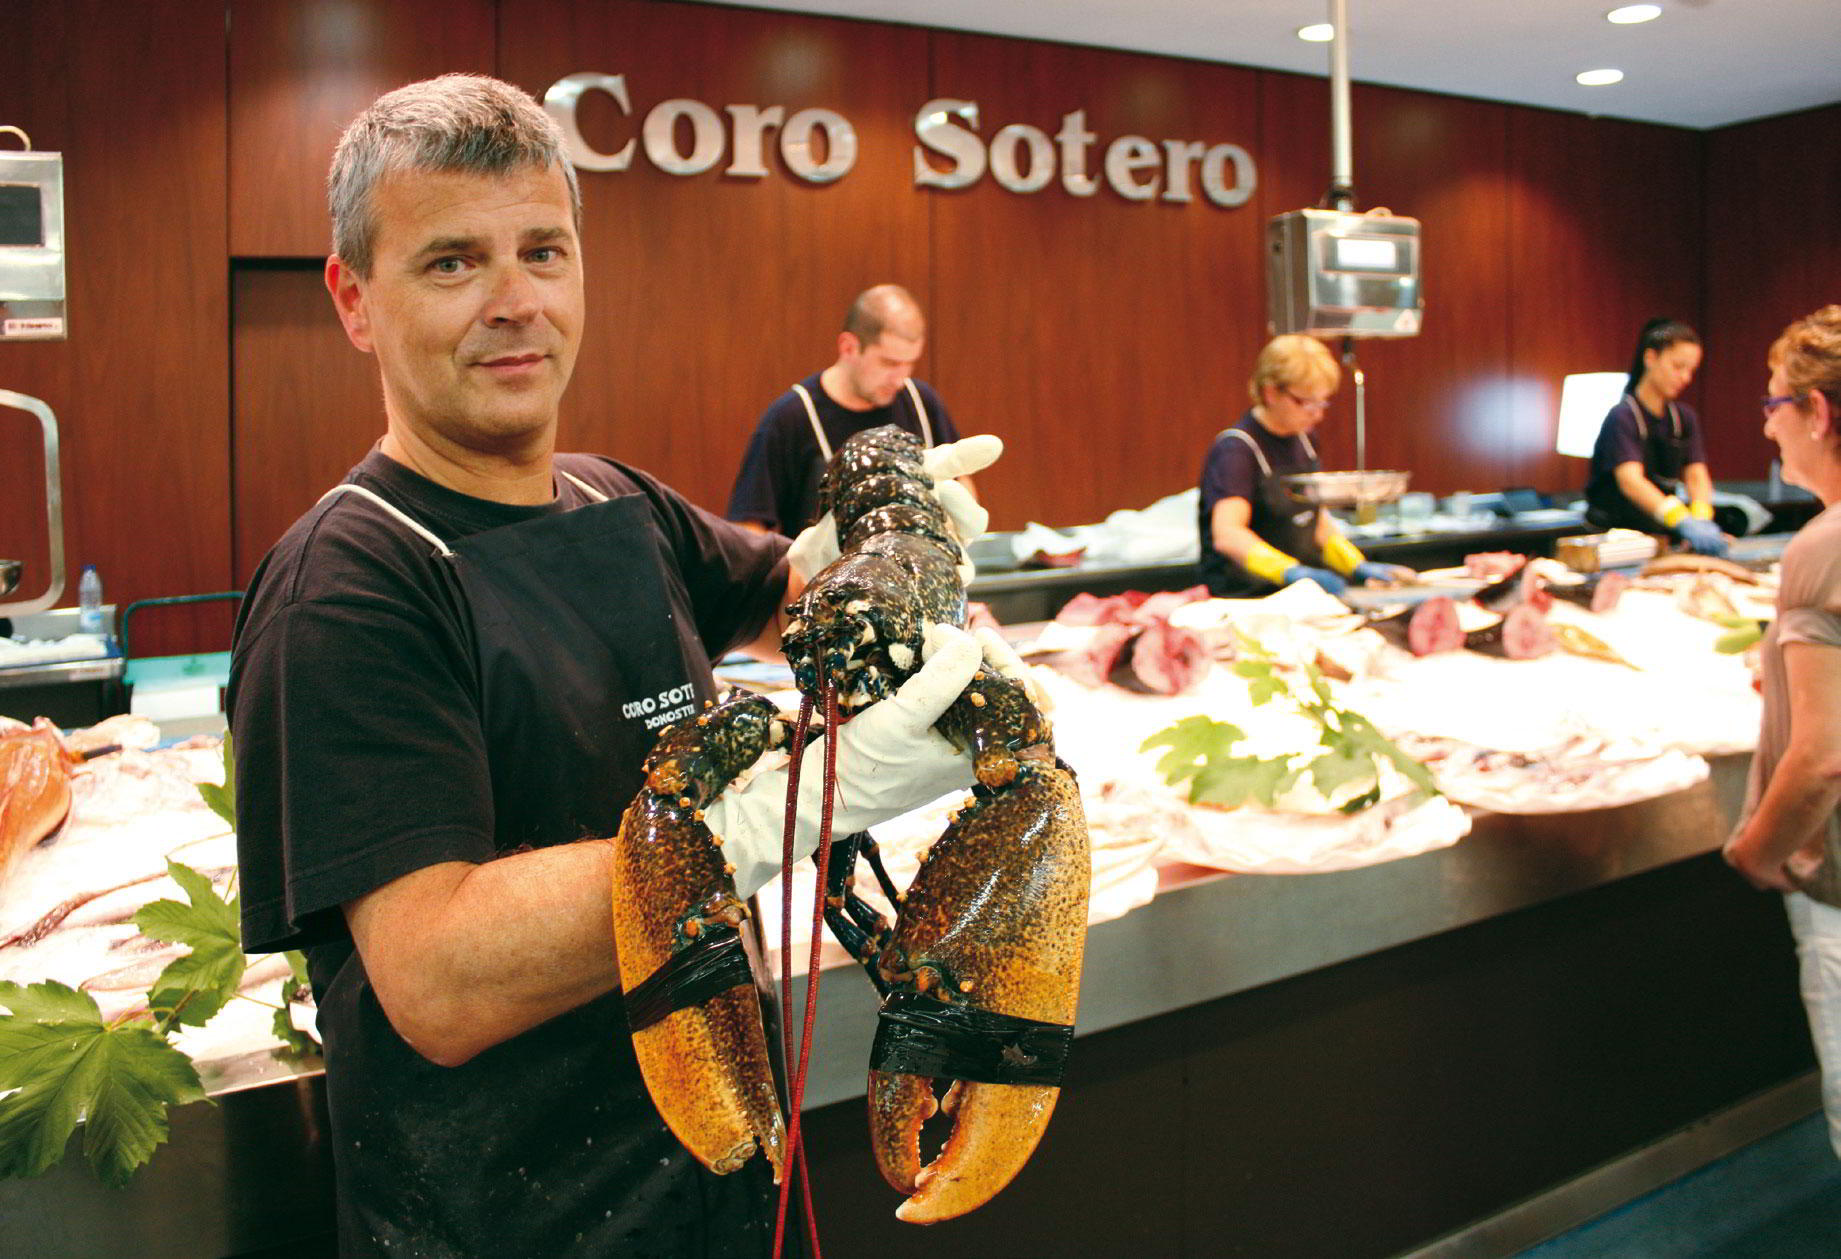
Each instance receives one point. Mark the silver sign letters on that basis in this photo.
(687, 137)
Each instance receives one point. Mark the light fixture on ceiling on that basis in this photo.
(1631, 14)
(1598, 78)
(1317, 33)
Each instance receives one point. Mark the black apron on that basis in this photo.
(547, 1144)
(1277, 518)
(1665, 457)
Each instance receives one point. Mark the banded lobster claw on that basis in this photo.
(697, 1027)
(982, 968)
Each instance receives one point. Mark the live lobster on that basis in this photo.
(985, 952)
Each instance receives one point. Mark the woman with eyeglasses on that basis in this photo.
(1254, 537)
(1650, 454)
(1790, 836)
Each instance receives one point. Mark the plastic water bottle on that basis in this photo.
(89, 602)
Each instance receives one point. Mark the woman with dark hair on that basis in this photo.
(1790, 838)
(1650, 455)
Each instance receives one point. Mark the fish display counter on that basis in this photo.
(1031, 591)
(1492, 1009)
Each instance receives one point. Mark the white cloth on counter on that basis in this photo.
(1164, 532)
(1682, 694)
(1561, 733)
(1264, 841)
(1586, 772)
(1099, 731)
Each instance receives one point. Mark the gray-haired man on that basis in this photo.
(446, 676)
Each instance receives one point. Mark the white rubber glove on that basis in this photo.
(1002, 657)
(817, 546)
(956, 459)
(889, 760)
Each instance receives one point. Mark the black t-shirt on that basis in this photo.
(1232, 469)
(363, 754)
(777, 485)
(355, 697)
(1664, 444)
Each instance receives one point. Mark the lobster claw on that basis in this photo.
(697, 1029)
(994, 922)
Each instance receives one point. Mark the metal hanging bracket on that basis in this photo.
(54, 505)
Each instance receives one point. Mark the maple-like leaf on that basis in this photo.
(223, 800)
(1192, 743)
(193, 988)
(67, 1067)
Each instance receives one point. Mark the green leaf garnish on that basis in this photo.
(68, 1067)
(223, 800)
(298, 1044)
(193, 988)
(1201, 750)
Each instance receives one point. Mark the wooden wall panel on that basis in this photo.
(1106, 340)
(1604, 233)
(308, 405)
(141, 386)
(709, 295)
(299, 71)
(1773, 255)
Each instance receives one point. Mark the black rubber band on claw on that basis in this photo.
(712, 964)
(919, 1035)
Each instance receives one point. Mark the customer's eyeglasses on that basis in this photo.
(1771, 404)
(1309, 404)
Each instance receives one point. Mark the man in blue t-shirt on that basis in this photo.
(871, 384)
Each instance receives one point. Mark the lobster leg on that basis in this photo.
(995, 920)
(674, 902)
(855, 924)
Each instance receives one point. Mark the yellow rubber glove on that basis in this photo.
(1342, 555)
(1266, 560)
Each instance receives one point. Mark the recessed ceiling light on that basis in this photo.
(1630, 14)
(1599, 78)
(1320, 33)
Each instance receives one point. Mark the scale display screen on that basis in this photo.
(22, 216)
(1365, 253)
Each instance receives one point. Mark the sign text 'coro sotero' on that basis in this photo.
(819, 146)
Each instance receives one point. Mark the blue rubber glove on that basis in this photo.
(1702, 536)
(1387, 574)
(1322, 576)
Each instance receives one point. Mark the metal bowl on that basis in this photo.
(1346, 489)
(9, 576)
